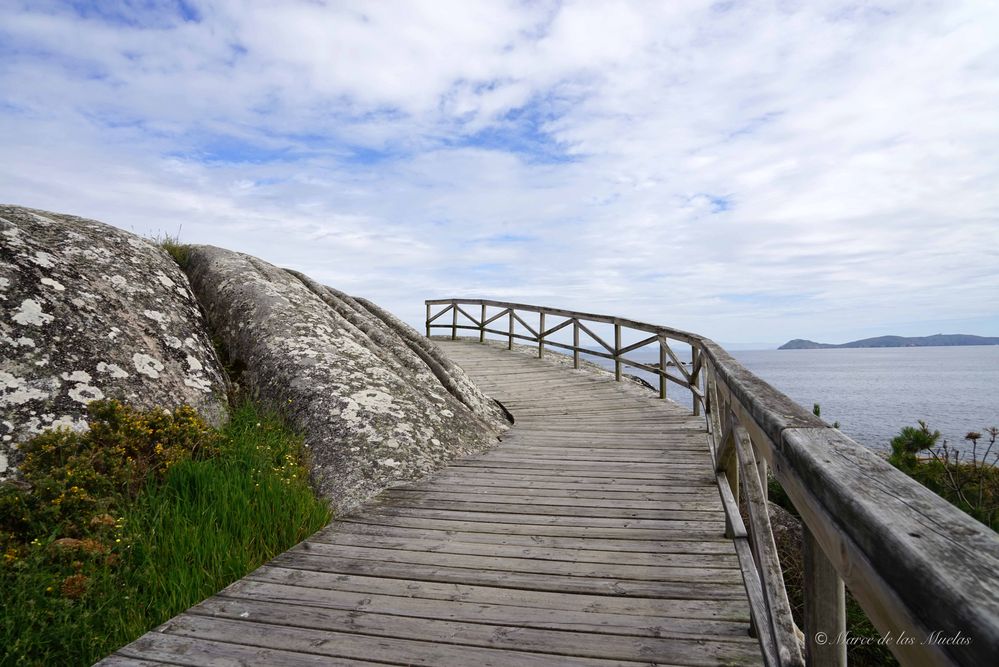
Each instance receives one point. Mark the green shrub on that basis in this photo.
(146, 514)
(970, 483)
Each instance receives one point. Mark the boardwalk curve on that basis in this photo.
(592, 535)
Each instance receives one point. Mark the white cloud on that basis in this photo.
(751, 171)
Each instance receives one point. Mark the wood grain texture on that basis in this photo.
(592, 535)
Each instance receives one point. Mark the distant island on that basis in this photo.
(938, 340)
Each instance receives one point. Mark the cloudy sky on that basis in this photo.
(752, 171)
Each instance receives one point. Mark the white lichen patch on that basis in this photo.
(56, 285)
(114, 332)
(4, 463)
(17, 391)
(391, 463)
(31, 312)
(76, 376)
(23, 341)
(43, 259)
(4, 284)
(84, 393)
(114, 370)
(155, 316)
(44, 220)
(370, 401)
(194, 364)
(165, 280)
(118, 282)
(147, 365)
(172, 342)
(199, 383)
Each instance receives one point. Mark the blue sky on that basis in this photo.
(752, 171)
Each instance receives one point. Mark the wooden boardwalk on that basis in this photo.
(593, 535)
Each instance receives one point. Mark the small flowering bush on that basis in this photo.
(114, 530)
(73, 478)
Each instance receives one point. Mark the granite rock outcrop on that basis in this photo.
(377, 403)
(90, 311)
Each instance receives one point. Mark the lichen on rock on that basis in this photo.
(377, 403)
(88, 311)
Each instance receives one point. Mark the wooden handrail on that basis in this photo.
(926, 573)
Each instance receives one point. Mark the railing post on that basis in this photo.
(825, 607)
(662, 369)
(541, 335)
(695, 378)
(454, 321)
(761, 467)
(575, 343)
(482, 325)
(509, 345)
(617, 352)
(428, 320)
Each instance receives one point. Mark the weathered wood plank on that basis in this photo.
(415, 541)
(549, 509)
(577, 620)
(676, 649)
(685, 589)
(521, 564)
(677, 533)
(718, 545)
(717, 609)
(347, 645)
(401, 496)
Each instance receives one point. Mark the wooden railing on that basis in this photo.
(926, 573)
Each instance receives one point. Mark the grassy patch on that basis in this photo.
(180, 252)
(136, 520)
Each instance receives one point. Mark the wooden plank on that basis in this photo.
(452, 545)
(699, 533)
(571, 488)
(444, 535)
(684, 589)
(723, 573)
(347, 645)
(711, 609)
(533, 520)
(577, 620)
(781, 623)
(708, 512)
(178, 650)
(675, 650)
(403, 496)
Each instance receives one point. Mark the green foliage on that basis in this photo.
(909, 442)
(972, 484)
(180, 252)
(167, 511)
(817, 411)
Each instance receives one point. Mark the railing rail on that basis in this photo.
(926, 573)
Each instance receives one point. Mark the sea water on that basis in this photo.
(874, 392)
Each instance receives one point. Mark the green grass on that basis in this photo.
(194, 525)
(180, 252)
